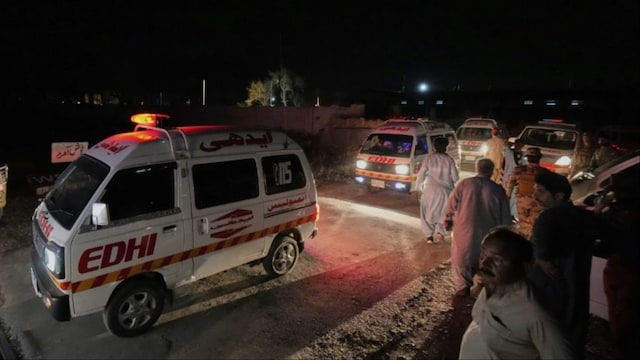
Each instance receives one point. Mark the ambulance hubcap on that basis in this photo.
(137, 310)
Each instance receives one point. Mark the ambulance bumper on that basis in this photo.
(54, 300)
(395, 185)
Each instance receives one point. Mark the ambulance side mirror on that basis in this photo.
(100, 214)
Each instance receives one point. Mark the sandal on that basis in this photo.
(430, 240)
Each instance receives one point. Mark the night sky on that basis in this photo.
(69, 46)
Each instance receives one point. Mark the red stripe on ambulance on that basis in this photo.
(96, 255)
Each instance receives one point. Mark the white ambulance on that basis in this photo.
(143, 212)
(473, 135)
(391, 155)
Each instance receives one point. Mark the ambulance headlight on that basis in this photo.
(361, 164)
(563, 161)
(402, 169)
(484, 148)
(54, 260)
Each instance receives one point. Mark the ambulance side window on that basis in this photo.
(283, 173)
(140, 190)
(224, 182)
(421, 146)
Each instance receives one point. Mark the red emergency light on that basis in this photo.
(148, 119)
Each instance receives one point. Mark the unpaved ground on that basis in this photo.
(419, 321)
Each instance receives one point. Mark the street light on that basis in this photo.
(423, 87)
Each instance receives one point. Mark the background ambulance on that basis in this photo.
(472, 136)
(143, 212)
(391, 155)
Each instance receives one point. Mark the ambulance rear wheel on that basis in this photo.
(135, 307)
(282, 257)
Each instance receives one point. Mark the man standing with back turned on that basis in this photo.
(476, 205)
(437, 176)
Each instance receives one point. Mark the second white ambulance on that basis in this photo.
(391, 155)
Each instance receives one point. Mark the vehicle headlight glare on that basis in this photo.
(50, 260)
(402, 169)
(563, 161)
(484, 148)
(361, 164)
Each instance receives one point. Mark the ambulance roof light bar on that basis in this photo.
(147, 119)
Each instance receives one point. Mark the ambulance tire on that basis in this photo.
(134, 308)
(283, 256)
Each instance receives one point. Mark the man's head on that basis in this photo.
(551, 189)
(603, 139)
(505, 257)
(440, 144)
(518, 144)
(624, 186)
(533, 155)
(484, 167)
(587, 138)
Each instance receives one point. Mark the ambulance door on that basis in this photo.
(227, 214)
(145, 233)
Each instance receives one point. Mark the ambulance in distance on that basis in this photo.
(391, 155)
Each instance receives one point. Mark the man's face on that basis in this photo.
(496, 265)
(543, 197)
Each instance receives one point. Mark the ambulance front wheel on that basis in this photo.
(282, 257)
(134, 308)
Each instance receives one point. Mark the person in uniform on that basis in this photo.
(604, 152)
(521, 183)
(513, 157)
(583, 155)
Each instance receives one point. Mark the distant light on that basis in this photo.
(576, 102)
(551, 103)
(528, 102)
(439, 102)
(420, 102)
(423, 87)
(403, 102)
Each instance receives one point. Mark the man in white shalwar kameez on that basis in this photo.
(507, 322)
(476, 205)
(437, 176)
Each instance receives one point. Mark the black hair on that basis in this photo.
(440, 144)
(555, 183)
(516, 246)
(484, 166)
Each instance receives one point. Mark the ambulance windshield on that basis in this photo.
(473, 133)
(73, 189)
(388, 144)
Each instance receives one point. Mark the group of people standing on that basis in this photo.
(519, 246)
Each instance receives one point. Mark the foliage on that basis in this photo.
(282, 85)
(258, 95)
